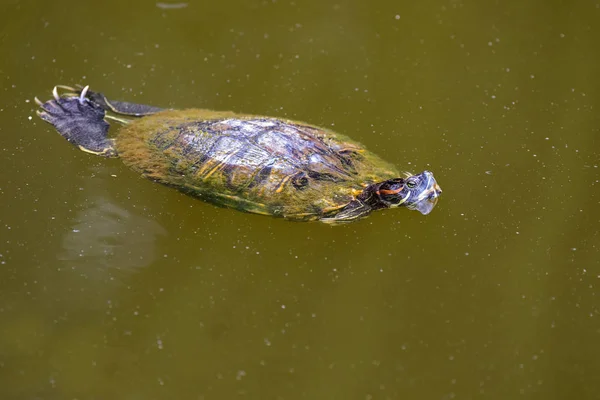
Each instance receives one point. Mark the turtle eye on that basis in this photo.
(411, 184)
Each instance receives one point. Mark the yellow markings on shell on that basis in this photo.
(351, 148)
(212, 171)
(236, 202)
(333, 208)
(301, 216)
(282, 183)
(218, 166)
(211, 166)
(208, 164)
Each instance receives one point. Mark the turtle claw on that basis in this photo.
(83, 94)
(68, 91)
(48, 106)
(67, 88)
(79, 91)
(71, 91)
(68, 107)
(43, 115)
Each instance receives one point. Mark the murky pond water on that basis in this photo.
(113, 287)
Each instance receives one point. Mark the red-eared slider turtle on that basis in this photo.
(256, 164)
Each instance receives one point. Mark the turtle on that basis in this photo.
(258, 164)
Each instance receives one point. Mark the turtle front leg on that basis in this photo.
(80, 121)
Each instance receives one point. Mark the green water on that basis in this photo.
(113, 287)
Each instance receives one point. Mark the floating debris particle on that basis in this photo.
(171, 6)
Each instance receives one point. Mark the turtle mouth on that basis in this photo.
(425, 206)
(429, 197)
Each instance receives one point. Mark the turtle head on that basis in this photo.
(416, 192)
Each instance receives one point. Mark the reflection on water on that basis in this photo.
(106, 236)
(100, 250)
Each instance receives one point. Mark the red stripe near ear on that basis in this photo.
(396, 191)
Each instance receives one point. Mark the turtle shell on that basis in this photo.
(252, 163)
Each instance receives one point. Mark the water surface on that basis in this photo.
(112, 286)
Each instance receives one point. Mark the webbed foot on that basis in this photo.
(78, 120)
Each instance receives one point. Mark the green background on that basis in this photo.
(113, 287)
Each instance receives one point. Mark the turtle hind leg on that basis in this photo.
(132, 109)
(117, 107)
(80, 121)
